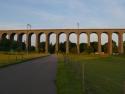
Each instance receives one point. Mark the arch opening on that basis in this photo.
(93, 42)
(41, 42)
(13, 37)
(22, 41)
(124, 42)
(83, 42)
(62, 42)
(52, 42)
(115, 42)
(104, 42)
(32, 42)
(73, 43)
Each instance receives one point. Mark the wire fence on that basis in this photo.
(76, 68)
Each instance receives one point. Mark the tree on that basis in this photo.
(83, 47)
(72, 47)
(62, 47)
(114, 47)
(31, 48)
(42, 47)
(4, 44)
(105, 48)
(51, 48)
(93, 47)
(124, 46)
(11, 45)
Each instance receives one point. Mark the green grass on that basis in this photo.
(100, 75)
(105, 75)
(69, 79)
(7, 59)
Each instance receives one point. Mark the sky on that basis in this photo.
(62, 13)
(15, 14)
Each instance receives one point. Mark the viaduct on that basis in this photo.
(47, 32)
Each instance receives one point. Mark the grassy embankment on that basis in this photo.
(7, 59)
(87, 74)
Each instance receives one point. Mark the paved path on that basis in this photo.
(32, 77)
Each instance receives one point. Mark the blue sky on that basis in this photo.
(62, 13)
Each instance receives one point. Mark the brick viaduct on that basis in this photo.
(47, 32)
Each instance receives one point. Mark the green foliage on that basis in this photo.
(72, 47)
(62, 47)
(5, 44)
(9, 45)
(114, 47)
(89, 49)
(31, 48)
(51, 48)
(83, 47)
(124, 46)
(42, 47)
(105, 48)
(94, 46)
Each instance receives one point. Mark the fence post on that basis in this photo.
(8, 59)
(22, 57)
(83, 77)
(124, 87)
(16, 58)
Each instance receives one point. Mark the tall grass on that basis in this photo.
(13, 58)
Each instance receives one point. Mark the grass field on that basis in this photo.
(89, 74)
(14, 58)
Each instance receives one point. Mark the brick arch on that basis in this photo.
(62, 43)
(30, 34)
(68, 31)
(20, 36)
(38, 37)
(12, 35)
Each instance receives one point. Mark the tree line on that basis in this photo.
(12, 45)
